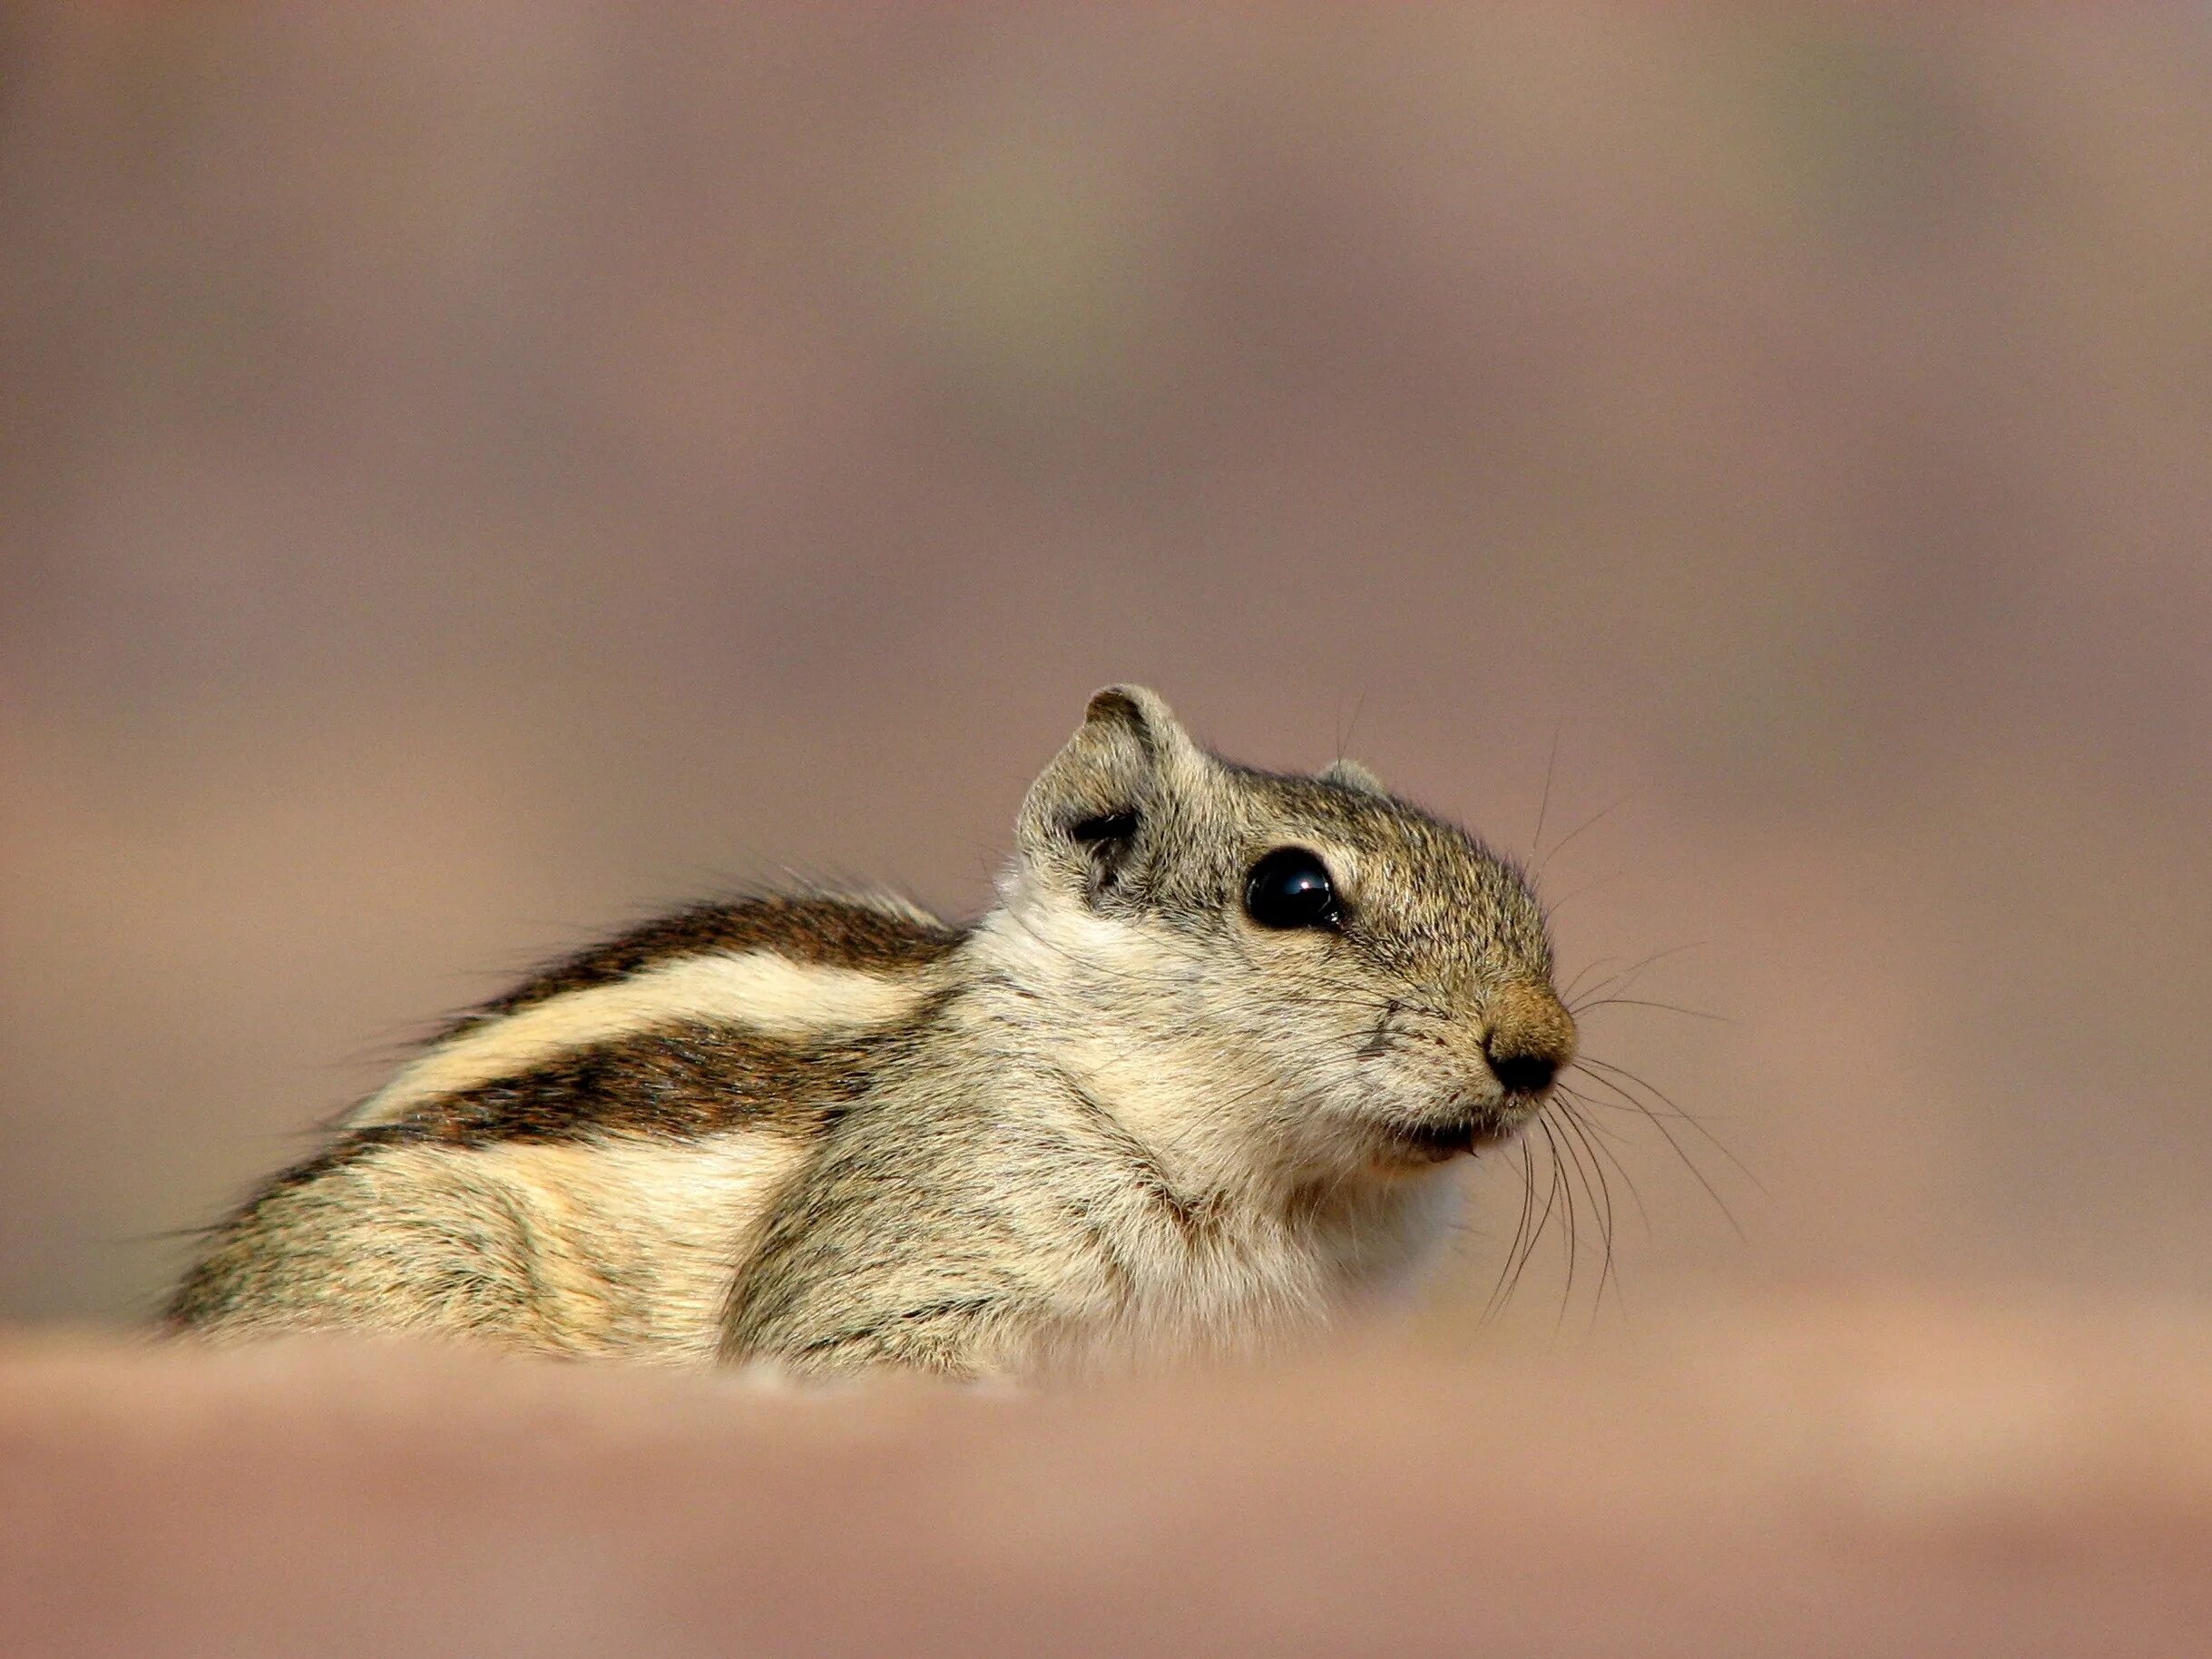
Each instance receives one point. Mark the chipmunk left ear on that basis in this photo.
(1352, 775)
(1086, 814)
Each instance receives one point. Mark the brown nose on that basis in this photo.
(1530, 1036)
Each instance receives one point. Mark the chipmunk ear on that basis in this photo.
(1088, 810)
(1352, 775)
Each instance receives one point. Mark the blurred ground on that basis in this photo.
(1881, 1476)
(471, 474)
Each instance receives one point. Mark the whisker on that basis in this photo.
(1575, 1172)
(1643, 1002)
(1495, 1303)
(1637, 1108)
(1599, 1191)
(1586, 969)
(1550, 1198)
(1574, 1232)
(1691, 1118)
(1543, 807)
(1571, 1122)
(1628, 975)
(1601, 1209)
(1518, 1265)
(1688, 1163)
(1553, 907)
(1587, 823)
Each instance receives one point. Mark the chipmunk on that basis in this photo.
(1193, 1086)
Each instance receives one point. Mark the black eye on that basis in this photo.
(1290, 888)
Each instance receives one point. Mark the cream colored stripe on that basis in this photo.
(758, 990)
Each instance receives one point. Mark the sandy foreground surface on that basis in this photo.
(1871, 1475)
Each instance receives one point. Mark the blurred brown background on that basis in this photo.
(469, 475)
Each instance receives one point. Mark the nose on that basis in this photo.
(1530, 1036)
(1524, 1073)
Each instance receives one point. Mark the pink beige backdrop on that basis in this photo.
(468, 474)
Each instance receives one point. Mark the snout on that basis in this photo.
(1530, 1038)
(1527, 1038)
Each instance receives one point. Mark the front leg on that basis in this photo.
(964, 1339)
(869, 1264)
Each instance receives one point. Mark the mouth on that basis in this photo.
(1434, 1142)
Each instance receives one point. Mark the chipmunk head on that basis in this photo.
(1301, 967)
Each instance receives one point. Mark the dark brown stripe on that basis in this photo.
(811, 928)
(679, 1082)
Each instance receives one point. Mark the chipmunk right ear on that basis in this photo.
(1086, 812)
(1352, 775)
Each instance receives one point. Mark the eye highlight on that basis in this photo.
(1290, 887)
